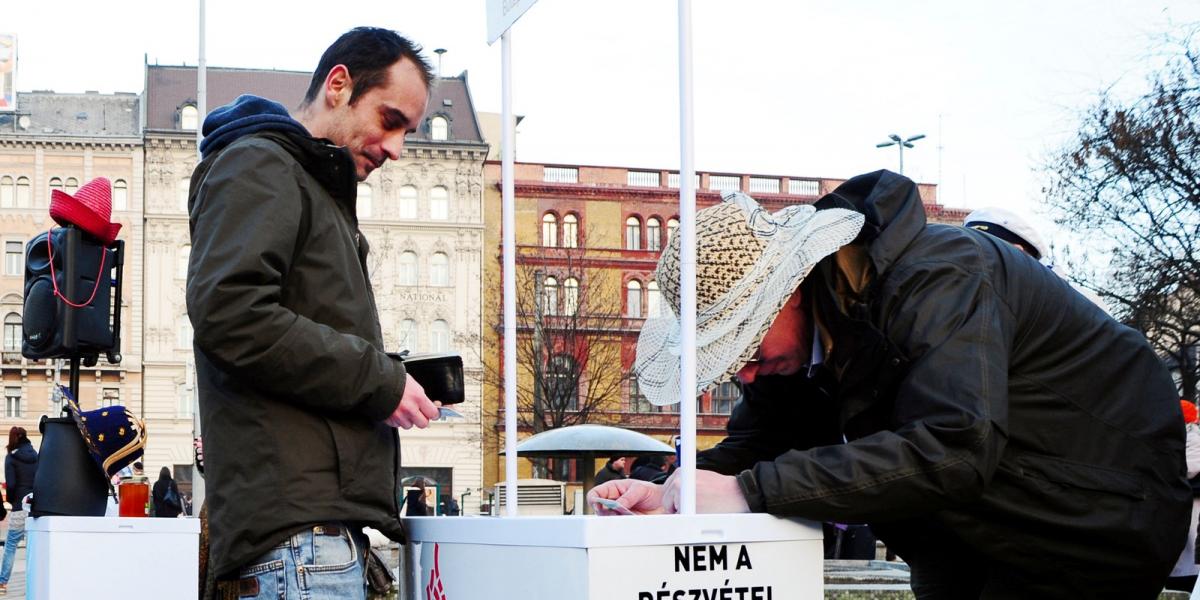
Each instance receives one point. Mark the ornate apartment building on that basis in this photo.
(588, 240)
(422, 214)
(60, 141)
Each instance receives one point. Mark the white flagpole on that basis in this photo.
(508, 226)
(201, 109)
(687, 283)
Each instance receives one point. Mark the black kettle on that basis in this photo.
(67, 482)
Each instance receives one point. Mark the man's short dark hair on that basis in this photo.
(368, 53)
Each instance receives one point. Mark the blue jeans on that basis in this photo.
(324, 562)
(16, 533)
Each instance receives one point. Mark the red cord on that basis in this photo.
(54, 281)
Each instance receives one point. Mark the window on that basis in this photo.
(439, 204)
(56, 184)
(724, 183)
(182, 188)
(439, 129)
(189, 117)
(408, 268)
(653, 299)
(14, 258)
(550, 296)
(120, 195)
(439, 336)
(71, 186)
(549, 230)
(364, 201)
(633, 298)
(185, 333)
(633, 234)
(181, 261)
(560, 175)
(12, 402)
(724, 397)
(570, 296)
(8, 192)
(439, 269)
(570, 231)
(562, 383)
(12, 332)
(408, 202)
(408, 334)
(110, 397)
(638, 402)
(653, 234)
(672, 227)
(25, 193)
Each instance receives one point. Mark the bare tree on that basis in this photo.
(1130, 183)
(569, 340)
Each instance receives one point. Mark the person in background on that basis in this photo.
(414, 501)
(649, 468)
(165, 496)
(1183, 576)
(613, 469)
(19, 468)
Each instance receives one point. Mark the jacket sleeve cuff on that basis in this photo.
(383, 403)
(750, 489)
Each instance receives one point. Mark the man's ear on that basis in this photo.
(338, 86)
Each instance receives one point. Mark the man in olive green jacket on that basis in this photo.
(298, 400)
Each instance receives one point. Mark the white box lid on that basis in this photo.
(596, 532)
(113, 525)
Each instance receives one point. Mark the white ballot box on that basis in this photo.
(753, 556)
(97, 558)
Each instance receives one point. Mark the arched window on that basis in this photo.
(408, 202)
(570, 296)
(549, 230)
(364, 201)
(439, 336)
(182, 188)
(653, 234)
(408, 268)
(633, 234)
(653, 299)
(120, 195)
(562, 383)
(56, 184)
(633, 298)
(8, 192)
(550, 296)
(189, 117)
(439, 204)
(570, 231)
(672, 227)
(439, 269)
(12, 332)
(71, 185)
(439, 129)
(408, 334)
(25, 192)
(181, 266)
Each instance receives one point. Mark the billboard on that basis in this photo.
(8, 71)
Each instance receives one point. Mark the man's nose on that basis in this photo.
(393, 145)
(747, 373)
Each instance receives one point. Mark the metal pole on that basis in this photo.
(201, 109)
(507, 226)
(687, 230)
(901, 146)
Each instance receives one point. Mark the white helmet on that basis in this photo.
(1007, 226)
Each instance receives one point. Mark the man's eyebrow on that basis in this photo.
(396, 114)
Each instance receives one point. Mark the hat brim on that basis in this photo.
(65, 209)
(731, 331)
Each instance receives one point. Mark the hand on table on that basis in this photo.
(640, 497)
(715, 493)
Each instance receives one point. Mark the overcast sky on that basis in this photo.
(797, 88)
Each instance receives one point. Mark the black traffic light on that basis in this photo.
(72, 297)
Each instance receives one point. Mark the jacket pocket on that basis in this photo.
(1082, 476)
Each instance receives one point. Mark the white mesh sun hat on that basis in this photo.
(748, 263)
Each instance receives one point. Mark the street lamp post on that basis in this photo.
(901, 143)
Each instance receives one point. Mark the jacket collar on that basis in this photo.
(332, 166)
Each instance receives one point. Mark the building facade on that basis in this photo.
(422, 215)
(597, 233)
(61, 141)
